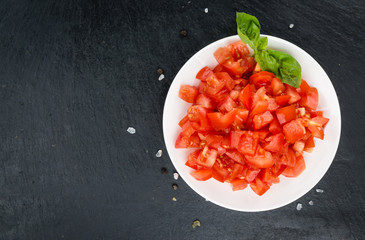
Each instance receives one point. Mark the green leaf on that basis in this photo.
(262, 44)
(282, 65)
(248, 28)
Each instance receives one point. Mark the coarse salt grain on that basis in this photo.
(299, 206)
(291, 25)
(176, 176)
(318, 190)
(206, 10)
(131, 130)
(310, 203)
(159, 153)
(174, 199)
(161, 77)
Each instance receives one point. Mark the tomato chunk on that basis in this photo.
(297, 169)
(286, 114)
(259, 187)
(220, 121)
(293, 131)
(188, 93)
(202, 174)
(262, 120)
(248, 143)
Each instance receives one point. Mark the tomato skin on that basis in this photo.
(187, 142)
(183, 120)
(262, 120)
(262, 78)
(260, 107)
(238, 50)
(236, 156)
(282, 100)
(236, 138)
(275, 126)
(276, 143)
(204, 101)
(227, 105)
(248, 143)
(309, 144)
(188, 93)
(286, 114)
(241, 118)
(219, 173)
(246, 97)
(202, 174)
(223, 76)
(259, 187)
(237, 170)
(294, 131)
(204, 74)
(296, 170)
(251, 174)
(219, 121)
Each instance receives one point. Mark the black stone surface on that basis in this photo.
(75, 75)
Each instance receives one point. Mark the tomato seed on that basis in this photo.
(163, 171)
(183, 33)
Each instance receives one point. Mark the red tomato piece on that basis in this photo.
(219, 173)
(188, 93)
(187, 142)
(220, 121)
(259, 187)
(187, 130)
(260, 107)
(310, 99)
(309, 144)
(277, 86)
(183, 121)
(294, 131)
(262, 120)
(192, 159)
(218, 68)
(282, 100)
(262, 159)
(204, 101)
(292, 92)
(202, 174)
(238, 184)
(236, 156)
(227, 105)
(248, 143)
(289, 159)
(275, 126)
(286, 114)
(276, 143)
(296, 170)
(240, 119)
(207, 157)
(237, 170)
(262, 78)
(238, 50)
(236, 138)
(229, 82)
(246, 97)
(251, 174)
(299, 146)
(204, 74)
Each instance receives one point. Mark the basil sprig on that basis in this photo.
(283, 65)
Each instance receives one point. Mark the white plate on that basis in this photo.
(289, 189)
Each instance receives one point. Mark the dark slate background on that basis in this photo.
(75, 75)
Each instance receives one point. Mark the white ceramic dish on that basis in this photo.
(289, 189)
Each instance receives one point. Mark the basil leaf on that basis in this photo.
(262, 44)
(282, 65)
(248, 28)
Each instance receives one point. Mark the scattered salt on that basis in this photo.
(161, 77)
(318, 190)
(174, 199)
(291, 25)
(196, 223)
(206, 10)
(131, 130)
(299, 206)
(159, 153)
(310, 203)
(176, 176)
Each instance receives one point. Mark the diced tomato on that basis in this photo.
(183, 121)
(237, 170)
(282, 100)
(238, 184)
(293, 131)
(316, 126)
(188, 93)
(220, 121)
(219, 173)
(187, 130)
(292, 92)
(260, 107)
(275, 126)
(214, 141)
(246, 97)
(192, 159)
(229, 82)
(267, 176)
(299, 146)
(251, 174)
(286, 114)
(204, 101)
(238, 50)
(235, 156)
(218, 68)
(262, 78)
(236, 138)
(223, 54)
(240, 119)
(248, 143)
(202, 88)
(202, 174)
(322, 121)
(204, 74)
(275, 143)
(261, 120)
(277, 86)
(304, 87)
(234, 94)
(289, 159)
(187, 142)
(272, 104)
(309, 144)
(259, 187)
(227, 105)
(296, 170)
(262, 159)
(310, 99)
(277, 169)
(207, 157)
(262, 134)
